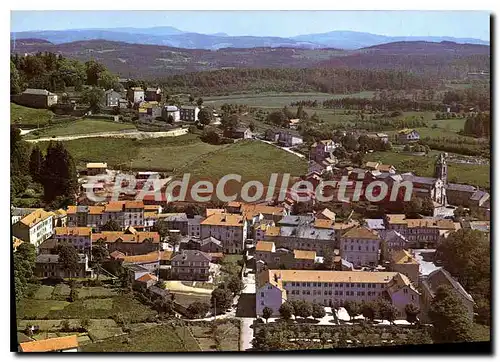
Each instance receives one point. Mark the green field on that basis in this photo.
(253, 160)
(32, 117)
(160, 154)
(85, 126)
(163, 338)
(477, 175)
(277, 100)
(221, 336)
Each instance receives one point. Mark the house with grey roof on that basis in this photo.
(459, 194)
(48, 266)
(296, 220)
(152, 94)
(114, 99)
(191, 265)
(171, 113)
(394, 240)
(36, 98)
(175, 221)
(189, 113)
(304, 237)
(442, 278)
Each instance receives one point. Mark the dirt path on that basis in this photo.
(177, 286)
(117, 134)
(287, 149)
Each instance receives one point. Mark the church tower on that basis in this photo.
(441, 170)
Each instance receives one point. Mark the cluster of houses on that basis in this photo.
(313, 256)
(147, 102)
(442, 192)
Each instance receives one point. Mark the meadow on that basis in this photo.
(252, 159)
(85, 126)
(29, 117)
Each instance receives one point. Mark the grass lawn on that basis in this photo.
(161, 154)
(100, 303)
(186, 299)
(61, 291)
(39, 309)
(477, 175)
(44, 292)
(251, 159)
(131, 309)
(272, 100)
(164, 338)
(224, 338)
(84, 126)
(96, 292)
(31, 117)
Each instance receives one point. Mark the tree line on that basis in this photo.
(328, 80)
(55, 170)
(54, 72)
(478, 125)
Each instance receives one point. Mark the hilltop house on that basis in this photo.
(152, 94)
(37, 98)
(149, 111)
(171, 111)
(240, 132)
(135, 95)
(408, 135)
(114, 99)
(322, 149)
(189, 113)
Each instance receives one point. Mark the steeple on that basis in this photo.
(441, 169)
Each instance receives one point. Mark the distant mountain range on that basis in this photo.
(173, 37)
(444, 59)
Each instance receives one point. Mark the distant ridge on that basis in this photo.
(153, 61)
(170, 36)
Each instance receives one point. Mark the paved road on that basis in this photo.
(287, 149)
(118, 134)
(246, 333)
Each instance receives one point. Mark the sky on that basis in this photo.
(469, 24)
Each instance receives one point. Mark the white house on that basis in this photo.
(360, 246)
(230, 229)
(408, 135)
(35, 227)
(328, 287)
(289, 139)
(171, 111)
(135, 95)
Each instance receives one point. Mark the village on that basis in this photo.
(262, 209)
(269, 255)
